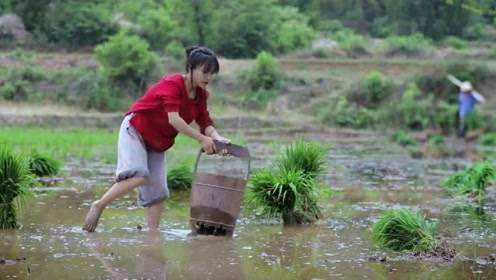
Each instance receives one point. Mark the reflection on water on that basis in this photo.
(370, 177)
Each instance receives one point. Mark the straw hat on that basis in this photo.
(466, 86)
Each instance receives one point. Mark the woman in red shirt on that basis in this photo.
(149, 129)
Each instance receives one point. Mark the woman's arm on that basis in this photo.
(180, 125)
(212, 132)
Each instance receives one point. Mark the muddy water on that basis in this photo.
(369, 174)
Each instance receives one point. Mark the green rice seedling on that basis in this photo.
(15, 180)
(42, 165)
(403, 138)
(472, 181)
(308, 157)
(289, 194)
(404, 230)
(180, 177)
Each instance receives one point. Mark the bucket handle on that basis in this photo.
(232, 150)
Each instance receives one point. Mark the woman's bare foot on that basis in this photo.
(92, 217)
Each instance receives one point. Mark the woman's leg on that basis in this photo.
(154, 213)
(154, 191)
(117, 190)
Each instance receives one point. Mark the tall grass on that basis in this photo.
(472, 181)
(15, 180)
(404, 230)
(289, 189)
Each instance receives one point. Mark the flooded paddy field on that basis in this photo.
(367, 173)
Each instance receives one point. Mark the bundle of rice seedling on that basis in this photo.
(308, 157)
(289, 190)
(288, 194)
(472, 181)
(404, 230)
(15, 180)
(180, 177)
(42, 165)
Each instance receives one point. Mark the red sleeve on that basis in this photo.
(170, 96)
(203, 118)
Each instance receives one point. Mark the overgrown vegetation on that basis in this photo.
(15, 180)
(472, 181)
(404, 230)
(288, 189)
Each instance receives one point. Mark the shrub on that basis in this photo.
(404, 230)
(125, 58)
(445, 116)
(180, 177)
(472, 181)
(14, 185)
(377, 86)
(415, 111)
(42, 165)
(475, 31)
(403, 138)
(77, 24)
(32, 12)
(455, 42)
(381, 27)
(176, 50)
(266, 74)
(94, 91)
(15, 90)
(252, 28)
(293, 32)
(488, 139)
(157, 28)
(407, 45)
(19, 82)
(351, 42)
(344, 112)
(347, 114)
(474, 120)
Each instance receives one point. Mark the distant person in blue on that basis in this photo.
(467, 98)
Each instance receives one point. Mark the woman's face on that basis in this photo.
(200, 78)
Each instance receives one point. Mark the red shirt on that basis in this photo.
(168, 95)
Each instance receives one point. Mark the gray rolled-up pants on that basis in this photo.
(134, 159)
